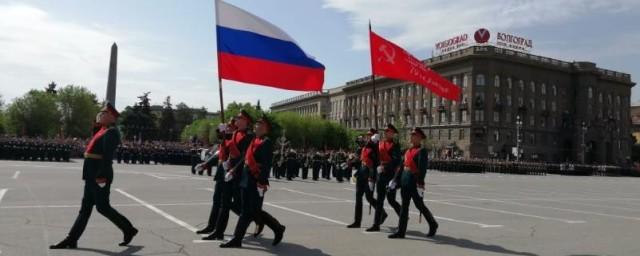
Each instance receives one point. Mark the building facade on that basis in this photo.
(315, 104)
(550, 109)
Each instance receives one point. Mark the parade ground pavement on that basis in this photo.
(479, 214)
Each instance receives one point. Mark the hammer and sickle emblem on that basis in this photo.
(390, 56)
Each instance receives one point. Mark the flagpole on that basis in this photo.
(221, 99)
(375, 97)
(219, 79)
(373, 83)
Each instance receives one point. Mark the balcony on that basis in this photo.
(464, 106)
(441, 108)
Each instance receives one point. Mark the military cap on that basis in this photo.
(392, 128)
(418, 131)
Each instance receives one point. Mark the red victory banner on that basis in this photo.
(389, 60)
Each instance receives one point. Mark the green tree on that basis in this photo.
(138, 122)
(167, 123)
(78, 107)
(34, 114)
(183, 116)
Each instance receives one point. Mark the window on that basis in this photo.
(450, 133)
(532, 120)
(543, 104)
(465, 116)
(521, 85)
(466, 80)
(600, 97)
(543, 89)
(554, 90)
(532, 139)
(532, 104)
(461, 135)
(533, 87)
(455, 80)
(453, 116)
(479, 116)
(520, 102)
(618, 100)
(553, 106)
(496, 136)
(509, 83)
(509, 100)
(590, 93)
(480, 80)
(496, 81)
(507, 118)
(496, 116)
(496, 98)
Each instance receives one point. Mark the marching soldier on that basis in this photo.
(291, 165)
(254, 182)
(233, 166)
(224, 135)
(389, 153)
(411, 180)
(97, 173)
(316, 165)
(306, 162)
(364, 186)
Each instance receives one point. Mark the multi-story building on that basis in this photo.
(551, 110)
(309, 104)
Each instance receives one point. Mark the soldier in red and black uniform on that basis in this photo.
(411, 180)
(390, 159)
(97, 173)
(224, 134)
(365, 176)
(233, 166)
(254, 182)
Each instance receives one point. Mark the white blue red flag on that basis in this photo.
(252, 50)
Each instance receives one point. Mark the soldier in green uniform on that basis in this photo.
(97, 173)
(411, 180)
(254, 182)
(364, 180)
(389, 154)
(233, 166)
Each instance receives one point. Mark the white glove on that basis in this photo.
(226, 165)
(380, 169)
(375, 138)
(421, 192)
(222, 127)
(199, 167)
(392, 185)
(262, 190)
(371, 184)
(228, 177)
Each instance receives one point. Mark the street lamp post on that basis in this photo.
(584, 145)
(518, 136)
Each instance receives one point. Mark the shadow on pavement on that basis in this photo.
(283, 248)
(130, 251)
(467, 244)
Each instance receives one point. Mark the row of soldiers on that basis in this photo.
(156, 152)
(242, 166)
(380, 169)
(523, 168)
(36, 149)
(327, 164)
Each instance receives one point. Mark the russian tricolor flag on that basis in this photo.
(252, 50)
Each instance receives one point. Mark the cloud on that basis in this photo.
(418, 24)
(37, 48)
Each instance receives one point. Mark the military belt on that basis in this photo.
(92, 156)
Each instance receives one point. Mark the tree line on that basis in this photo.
(70, 111)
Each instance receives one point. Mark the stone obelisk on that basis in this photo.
(113, 70)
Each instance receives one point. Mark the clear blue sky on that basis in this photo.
(168, 47)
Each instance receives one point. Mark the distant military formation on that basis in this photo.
(36, 149)
(157, 152)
